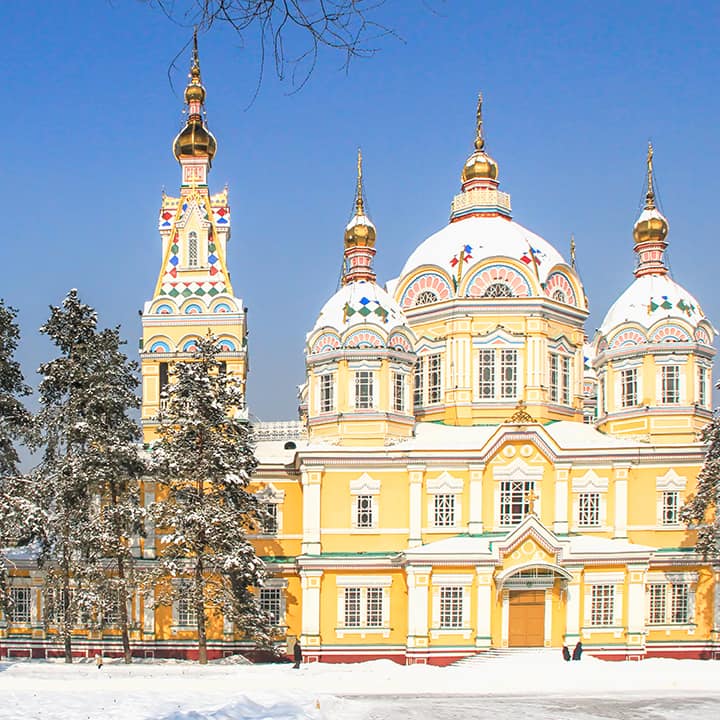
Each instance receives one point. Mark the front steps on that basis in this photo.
(531, 655)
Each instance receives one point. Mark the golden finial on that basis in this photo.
(650, 197)
(572, 251)
(359, 206)
(479, 139)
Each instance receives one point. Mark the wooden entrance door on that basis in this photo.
(527, 618)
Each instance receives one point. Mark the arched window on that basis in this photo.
(559, 295)
(192, 249)
(498, 289)
(426, 297)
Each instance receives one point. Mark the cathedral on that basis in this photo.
(469, 470)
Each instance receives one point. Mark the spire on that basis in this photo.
(195, 140)
(650, 230)
(479, 139)
(572, 251)
(359, 238)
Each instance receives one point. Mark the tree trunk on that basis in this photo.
(67, 624)
(200, 611)
(127, 652)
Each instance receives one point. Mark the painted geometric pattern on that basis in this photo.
(364, 307)
(558, 287)
(397, 341)
(429, 282)
(670, 333)
(702, 336)
(664, 303)
(628, 337)
(327, 342)
(483, 279)
(364, 338)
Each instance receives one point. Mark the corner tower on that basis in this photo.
(193, 293)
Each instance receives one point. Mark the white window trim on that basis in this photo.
(364, 485)
(444, 484)
(442, 581)
(272, 496)
(590, 482)
(363, 582)
(519, 372)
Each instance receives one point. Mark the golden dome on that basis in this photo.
(194, 93)
(360, 230)
(479, 165)
(652, 225)
(195, 140)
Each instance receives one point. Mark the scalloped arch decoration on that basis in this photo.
(397, 341)
(627, 338)
(702, 336)
(164, 309)
(364, 338)
(193, 309)
(159, 346)
(327, 342)
(558, 282)
(222, 307)
(190, 345)
(226, 345)
(670, 333)
(482, 279)
(427, 282)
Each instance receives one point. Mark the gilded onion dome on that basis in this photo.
(652, 225)
(479, 165)
(360, 230)
(195, 140)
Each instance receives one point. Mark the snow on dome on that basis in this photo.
(359, 220)
(651, 214)
(649, 299)
(360, 303)
(487, 237)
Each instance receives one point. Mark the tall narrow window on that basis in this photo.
(514, 500)
(444, 510)
(374, 607)
(451, 606)
(270, 522)
(486, 373)
(327, 400)
(20, 612)
(352, 607)
(702, 387)
(628, 387)
(656, 602)
(419, 384)
(193, 250)
(671, 384)
(589, 509)
(565, 364)
(163, 381)
(554, 378)
(434, 379)
(602, 605)
(271, 602)
(670, 507)
(679, 603)
(398, 392)
(364, 389)
(364, 511)
(186, 614)
(508, 374)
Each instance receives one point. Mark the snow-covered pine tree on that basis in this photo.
(203, 461)
(702, 510)
(15, 422)
(87, 482)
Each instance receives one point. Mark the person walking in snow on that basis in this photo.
(565, 653)
(578, 651)
(98, 661)
(297, 654)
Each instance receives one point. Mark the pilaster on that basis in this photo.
(483, 638)
(418, 580)
(636, 607)
(475, 525)
(310, 603)
(572, 606)
(561, 523)
(311, 480)
(621, 472)
(415, 481)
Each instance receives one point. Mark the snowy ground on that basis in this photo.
(522, 687)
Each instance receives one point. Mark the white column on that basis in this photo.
(475, 526)
(716, 599)
(415, 477)
(418, 580)
(149, 541)
(621, 499)
(562, 472)
(148, 614)
(636, 606)
(505, 619)
(483, 634)
(547, 640)
(311, 509)
(572, 607)
(310, 603)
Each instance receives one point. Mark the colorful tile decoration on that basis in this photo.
(665, 303)
(364, 307)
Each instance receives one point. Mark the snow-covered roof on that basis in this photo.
(487, 237)
(360, 303)
(359, 220)
(651, 214)
(651, 298)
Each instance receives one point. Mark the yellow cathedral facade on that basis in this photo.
(469, 471)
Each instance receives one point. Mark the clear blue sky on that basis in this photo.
(573, 92)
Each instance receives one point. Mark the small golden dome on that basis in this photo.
(194, 93)
(360, 230)
(195, 140)
(652, 225)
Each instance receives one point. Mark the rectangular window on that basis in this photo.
(327, 399)
(20, 612)
(192, 249)
(602, 605)
(270, 522)
(418, 390)
(508, 374)
(565, 364)
(364, 389)
(554, 378)
(589, 509)
(514, 503)
(364, 511)
(398, 392)
(271, 603)
(451, 606)
(186, 615)
(671, 384)
(702, 387)
(670, 507)
(679, 603)
(628, 387)
(656, 601)
(486, 373)
(374, 607)
(434, 379)
(163, 380)
(111, 611)
(444, 511)
(352, 607)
